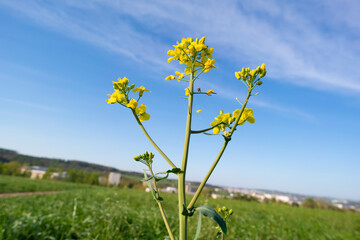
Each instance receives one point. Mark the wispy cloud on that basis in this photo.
(30, 104)
(299, 46)
(231, 95)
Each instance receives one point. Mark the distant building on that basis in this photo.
(189, 189)
(268, 196)
(215, 195)
(285, 199)
(57, 175)
(170, 189)
(37, 172)
(114, 178)
(339, 205)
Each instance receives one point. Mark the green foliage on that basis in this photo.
(309, 203)
(208, 211)
(11, 168)
(245, 197)
(319, 203)
(9, 155)
(10, 184)
(47, 174)
(82, 176)
(104, 213)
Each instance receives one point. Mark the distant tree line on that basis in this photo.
(13, 169)
(13, 156)
(318, 203)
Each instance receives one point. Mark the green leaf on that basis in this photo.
(153, 192)
(157, 179)
(198, 229)
(208, 211)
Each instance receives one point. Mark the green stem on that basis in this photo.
(152, 141)
(202, 184)
(181, 179)
(205, 130)
(241, 112)
(161, 208)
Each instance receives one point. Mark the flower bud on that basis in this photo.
(262, 70)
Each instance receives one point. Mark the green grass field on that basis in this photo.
(105, 213)
(10, 184)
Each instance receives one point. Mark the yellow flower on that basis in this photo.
(209, 64)
(199, 111)
(238, 75)
(171, 53)
(171, 77)
(262, 70)
(140, 90)
(180, 75)
(141, 109)
(188, 50)
(226, 118)
(187, 92)
(209, 92)
(216, 130)
(253, 72)
(246, 116)
(115, 97)
(144, 117)
(132, 104)
(121, 83)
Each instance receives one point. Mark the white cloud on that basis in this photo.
(298, 46)
(30, 104)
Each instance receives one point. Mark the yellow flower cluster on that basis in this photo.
(251, 77)
(121, 96)
(194, 54)
(224, 120)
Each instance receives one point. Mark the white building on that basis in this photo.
(285, 199)
(57, 175)
(216, 196)
(170, 189)
(114, 178)
(37, 172)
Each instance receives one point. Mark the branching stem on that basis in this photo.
(205, 130)
(152, 141)
(161, 207)
(202, 184)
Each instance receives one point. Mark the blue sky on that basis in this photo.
(58, 59)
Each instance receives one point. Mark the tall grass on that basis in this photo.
(103, 213)
(10, 184)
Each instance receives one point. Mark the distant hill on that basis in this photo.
(10, 155)
(7, 155)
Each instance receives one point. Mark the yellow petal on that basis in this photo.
(250, 119)
(216, 130)
(199, 111)
(144, 117)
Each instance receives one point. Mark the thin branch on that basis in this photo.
(152, 141)
(205, 130)
(161, 207)
(200, 188)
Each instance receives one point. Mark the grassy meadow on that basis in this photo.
(12, 184)
(109, 213)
